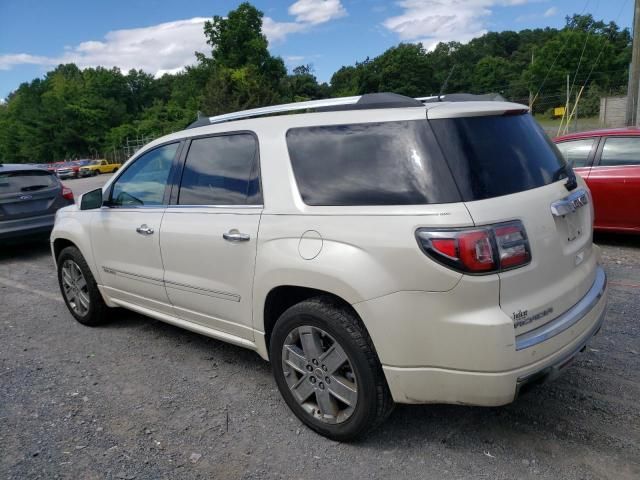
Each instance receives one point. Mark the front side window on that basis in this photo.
(621, 151)
(576, 152)
(221, 170)
(143, 183)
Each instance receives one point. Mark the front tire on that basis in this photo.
(327, 370)
(79, 289)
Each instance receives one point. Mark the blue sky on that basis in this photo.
(161, 35)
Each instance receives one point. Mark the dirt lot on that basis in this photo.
(142, 399)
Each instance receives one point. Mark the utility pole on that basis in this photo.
(530, 91)
(633, 90)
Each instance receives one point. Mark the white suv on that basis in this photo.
(380, 249)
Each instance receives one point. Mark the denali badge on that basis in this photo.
(520, 315)
(521, 318)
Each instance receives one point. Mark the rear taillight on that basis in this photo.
(478, 250)
(67, 193)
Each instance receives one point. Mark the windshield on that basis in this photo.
(491, 156)
(25, 181)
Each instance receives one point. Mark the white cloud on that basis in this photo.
(294, 59)
(434, 21)
(315, 12)
(166, 47)
(169, 47)
(551, 12)
(276, 32)
(9, 60)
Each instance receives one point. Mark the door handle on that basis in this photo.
(235, 236)
(144, 230)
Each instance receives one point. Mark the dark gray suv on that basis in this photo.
(29, 199)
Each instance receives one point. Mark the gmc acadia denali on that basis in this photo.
(375, 249)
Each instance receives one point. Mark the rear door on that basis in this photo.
(615, 184)
(209, 234)
(507, 169)
(29, 193)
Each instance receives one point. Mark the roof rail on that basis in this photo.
(463, 97)
(371, 100)
(287, 107)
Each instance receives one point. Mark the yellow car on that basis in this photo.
(96, 167)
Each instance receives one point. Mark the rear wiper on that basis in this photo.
(567, 172)
(31, 188)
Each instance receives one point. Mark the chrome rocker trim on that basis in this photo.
(567, 319)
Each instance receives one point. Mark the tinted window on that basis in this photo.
(621, 151)
(492, 156)
(26, 181)
(145, 180)
(221, 170)
(390, 163)
(576, 152)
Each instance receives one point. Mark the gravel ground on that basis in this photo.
(146, 400)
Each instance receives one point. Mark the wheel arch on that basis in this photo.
(282, 297)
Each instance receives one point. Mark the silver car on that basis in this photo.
(29, 199)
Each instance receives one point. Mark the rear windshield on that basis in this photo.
(387, 163)
(26, 181)
(498, 155)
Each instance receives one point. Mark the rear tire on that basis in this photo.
(79, 289)
(341, 403)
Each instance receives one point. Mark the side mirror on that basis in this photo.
(91, 200)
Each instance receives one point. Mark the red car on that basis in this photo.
(609, 161)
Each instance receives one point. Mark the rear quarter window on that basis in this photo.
(386, 163)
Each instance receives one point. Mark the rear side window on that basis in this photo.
(576, 152)
(388, 163)
(221, 170)
(491, 156)
(26, 181)
(621, 151)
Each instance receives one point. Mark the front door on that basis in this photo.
(125, 232)
(209, 234)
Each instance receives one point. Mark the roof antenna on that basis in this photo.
(444, 85)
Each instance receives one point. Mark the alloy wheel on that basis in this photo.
(319, 374)
(75, 287)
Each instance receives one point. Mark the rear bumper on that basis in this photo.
(472, 361)
(26, 227)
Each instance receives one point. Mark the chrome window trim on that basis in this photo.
(567, 319)
(254, 207)
(129, 207)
